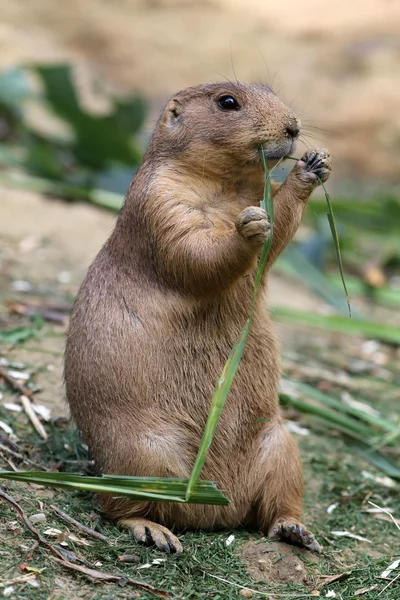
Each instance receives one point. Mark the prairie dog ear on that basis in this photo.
(172, 112)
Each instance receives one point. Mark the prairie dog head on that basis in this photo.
(228, 120)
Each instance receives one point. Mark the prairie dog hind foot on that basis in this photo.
(293, 532)
(150, 533)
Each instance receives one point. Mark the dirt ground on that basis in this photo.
(336, 63)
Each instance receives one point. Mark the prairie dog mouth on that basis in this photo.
(276, 151)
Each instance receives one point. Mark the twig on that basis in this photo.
(27, 461)
(243, 587)
(29, 525)
(27, 406)
(10, 463)
(18, 387)
(30, 310)
(93, 574)
(390, 583)
(104, 576)
(31, 550)
(25, 399)
(5, 442)
(386, 513)
(80, 526)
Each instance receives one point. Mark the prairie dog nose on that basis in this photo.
(293, 128)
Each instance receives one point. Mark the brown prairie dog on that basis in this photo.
(163, 303)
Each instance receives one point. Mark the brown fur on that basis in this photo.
(164, 301)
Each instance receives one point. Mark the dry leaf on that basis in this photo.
(364, 590)
(327, 579)
(353, 536)
(385, 574)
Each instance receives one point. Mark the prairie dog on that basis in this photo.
(163, 303)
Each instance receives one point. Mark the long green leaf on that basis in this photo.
(364, 416)
(229, 371)
(378, 331)
(295, 263)
(332, 418)
(358, 434)
(377, 459)
(151, 489)
(335, 238)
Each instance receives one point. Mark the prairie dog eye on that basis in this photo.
(227, 102)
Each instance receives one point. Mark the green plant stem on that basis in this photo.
(335, 237)
(228, 373)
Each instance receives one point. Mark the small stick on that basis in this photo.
(6, 442)
(18, 387)
(28, 523)
(27, 406)
(25, 396)
(27, 461)
(116, 577)
(80, 526)
(31, 550)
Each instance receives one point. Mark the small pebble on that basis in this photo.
(298, 568)
(246, 593)
(262, 564)
(129, 558)
(38, 518)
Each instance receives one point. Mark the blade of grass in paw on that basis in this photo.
(231, 366)
(335, 238)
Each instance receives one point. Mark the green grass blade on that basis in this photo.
(385, 296)
(335, 238)
(217, 404)
(295, 263)
(377, 459)
(340, 324)
(373, 420)
(332, 419)
(355, 431)
(229, 371)
(151, 489)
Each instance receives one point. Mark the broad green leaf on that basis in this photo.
(99, 140)
(329, 417)
(357, 434)
(130, 114)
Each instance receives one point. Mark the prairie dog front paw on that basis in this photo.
(254, 225)
(314, 166)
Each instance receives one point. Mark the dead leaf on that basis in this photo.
(327, 579)
(353, 536)
(30, 569)
(364, 590)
